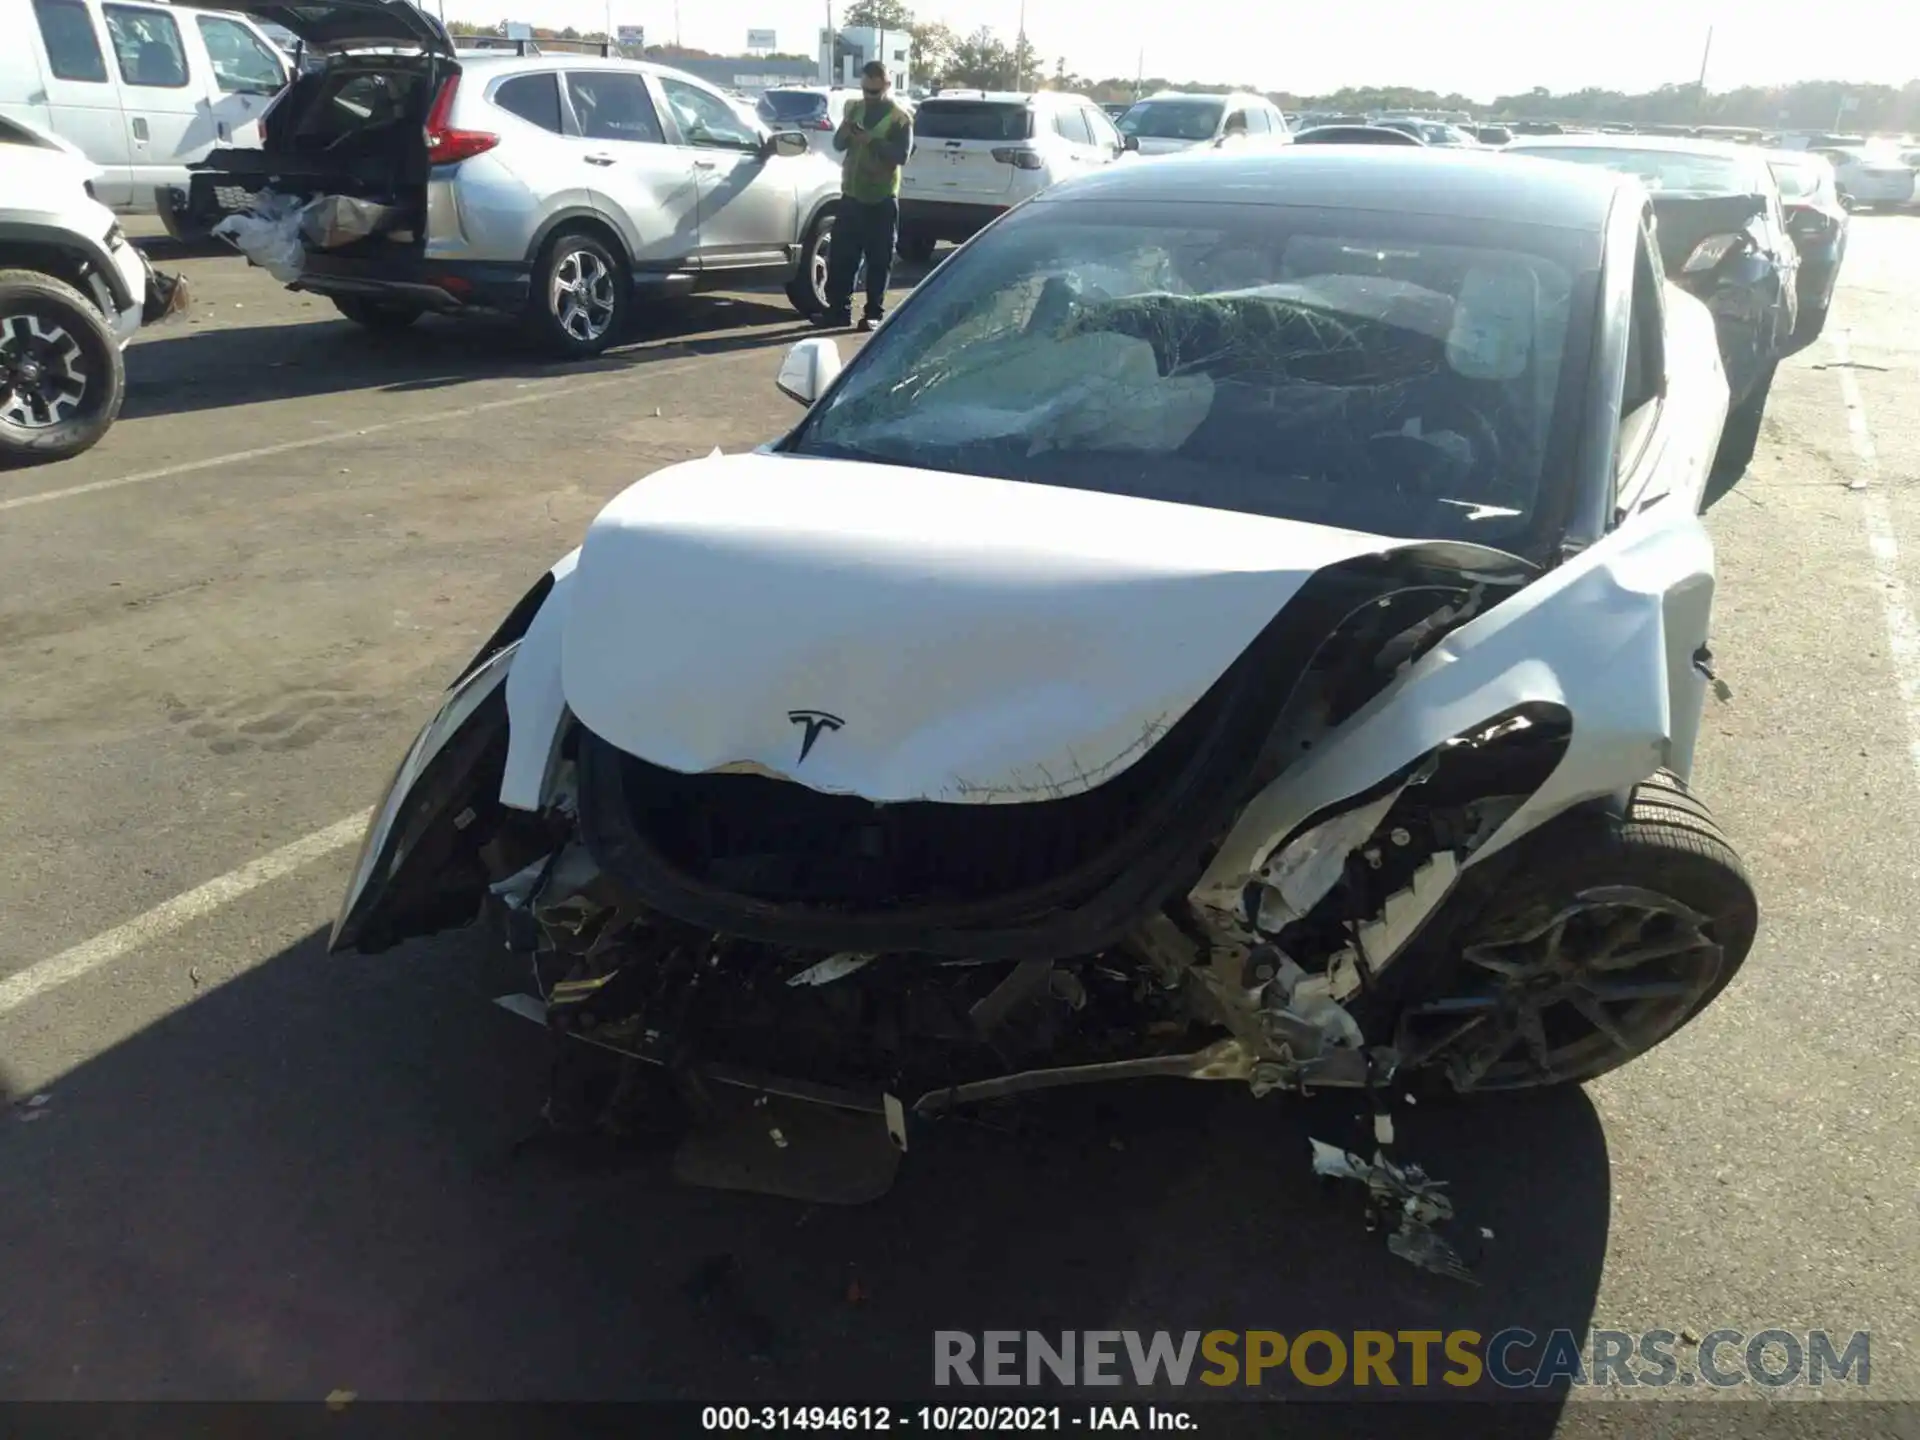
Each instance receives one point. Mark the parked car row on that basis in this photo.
(404, 178)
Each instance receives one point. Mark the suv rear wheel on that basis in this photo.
(61, 375)
(580, 297)
(916, 245)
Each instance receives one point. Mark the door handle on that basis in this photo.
(599, 157)
(703, 164)
(139, 127)
(221, 129)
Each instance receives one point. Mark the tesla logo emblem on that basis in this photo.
(815, 721)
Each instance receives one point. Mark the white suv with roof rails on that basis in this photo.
(1174, 120)
(978, 153)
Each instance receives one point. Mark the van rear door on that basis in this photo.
(83, 97)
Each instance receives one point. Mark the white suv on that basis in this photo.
(1173, 120)
(979, 153)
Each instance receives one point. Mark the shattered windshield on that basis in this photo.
(1392, 373)
(1172, 119)
(1663, 172)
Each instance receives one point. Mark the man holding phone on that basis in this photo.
(876, 135)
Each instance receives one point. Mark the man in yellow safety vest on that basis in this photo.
(876, 136)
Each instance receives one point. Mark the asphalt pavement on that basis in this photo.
(261, 1173)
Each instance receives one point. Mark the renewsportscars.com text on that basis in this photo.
(1513, 1359)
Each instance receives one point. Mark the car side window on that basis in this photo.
(1646, 357)
(614, 105)
(1236, 124)
(707, 120)
(241, 64)
(1257, 121)
(147, 45)
(1102, 129)
(73, 47)
(1072, 125)
(534, 98)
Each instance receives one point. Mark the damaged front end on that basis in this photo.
(1255, 891)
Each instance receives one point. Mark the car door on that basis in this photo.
(633, 173)
(168, 120)
(749, 205)
(245, 75)
(1107, 144)
(83, 99)
(1075, 140)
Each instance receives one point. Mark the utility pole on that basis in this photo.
(676, 24)
(831, 53)
(1700, 90)
(1020, 51)
(1140, 72)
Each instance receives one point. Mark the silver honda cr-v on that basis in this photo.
(559, 188)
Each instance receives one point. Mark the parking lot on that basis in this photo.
(262, 1173)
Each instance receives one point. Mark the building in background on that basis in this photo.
(844, 52)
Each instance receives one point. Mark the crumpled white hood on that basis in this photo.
(944, 637)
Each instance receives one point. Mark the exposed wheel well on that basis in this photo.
(582, 224)
(51, 258)
(820, 212)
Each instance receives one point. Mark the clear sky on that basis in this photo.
(1481, 48)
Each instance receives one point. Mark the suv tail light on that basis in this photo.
(1711, 251)
(1019, 157)
(445, 145)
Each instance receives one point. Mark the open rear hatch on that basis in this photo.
(354, 127)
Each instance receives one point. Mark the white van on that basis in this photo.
(143, 90)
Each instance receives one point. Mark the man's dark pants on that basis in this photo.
(862, 231)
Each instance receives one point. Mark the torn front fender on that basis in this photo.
(536, 706)
(419, 870)
(497, 731)
(1609, 636)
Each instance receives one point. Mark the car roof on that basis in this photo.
(1677, 144)
(481, 62)
(1004, 97)
(1467, 184)
(1223, 97)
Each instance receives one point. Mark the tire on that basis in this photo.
(381, 315)
(52, 340)
(1739, 439)
(581, 297)
(807, 291)
(916, 245)
(1668, 847)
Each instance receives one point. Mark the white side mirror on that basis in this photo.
(789, 143)
(809, 369)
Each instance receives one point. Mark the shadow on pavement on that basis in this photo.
(179, 370)
(304, 1181)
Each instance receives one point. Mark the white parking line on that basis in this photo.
(426, 417)
(1903, 631)
(37, 979)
